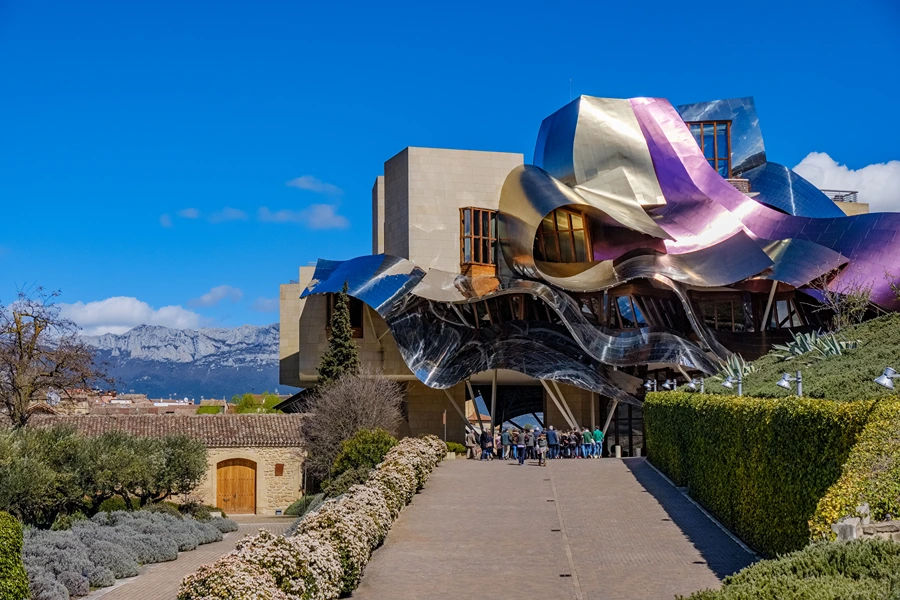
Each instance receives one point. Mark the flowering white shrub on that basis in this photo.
(332, 544)
(302, 566)
(230, 578)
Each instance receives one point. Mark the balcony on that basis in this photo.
(842, 195)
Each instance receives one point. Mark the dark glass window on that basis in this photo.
(478, 236)
(714, 138)
(563, 237)
(784, 314)
(356, 309)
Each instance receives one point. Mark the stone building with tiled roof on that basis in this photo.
(255, 461)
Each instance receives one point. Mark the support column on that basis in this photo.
(765, 320)
(564, 403)
(609, 417)
(458, 409)
(558, 405)
(493, 400)
(474, 404)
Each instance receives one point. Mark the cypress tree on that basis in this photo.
(342, 355)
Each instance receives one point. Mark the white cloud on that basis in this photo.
(313, 184)
(228, 214)
(165, 220)
(878, 184)
(314, 216)
(121, 313)
(216, 295)
(266, 305)
(189, 213)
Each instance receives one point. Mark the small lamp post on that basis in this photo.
(887, 378)
(730, 381)
(650, 385)
(693, 383)
(671, 384)
(787, 379)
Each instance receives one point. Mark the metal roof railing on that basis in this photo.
(842, 195)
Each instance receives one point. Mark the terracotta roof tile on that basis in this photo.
(215, 431)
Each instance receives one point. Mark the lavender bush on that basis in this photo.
(110, 546)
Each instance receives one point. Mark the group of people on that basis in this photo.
(535, 444)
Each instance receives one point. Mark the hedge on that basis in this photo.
(871, 474)
(13, 580)
(760, 466)
(862, 570)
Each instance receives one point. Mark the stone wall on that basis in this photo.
(273, 492)
(378, 215)
(426, 406)
(860, 527)
(424, 190)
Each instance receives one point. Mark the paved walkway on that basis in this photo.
(161, 581)
(577, 529)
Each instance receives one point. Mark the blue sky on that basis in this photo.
(169, 152)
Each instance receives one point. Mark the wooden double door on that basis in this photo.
(236, 486)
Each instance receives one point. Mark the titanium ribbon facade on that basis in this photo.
(626, 247)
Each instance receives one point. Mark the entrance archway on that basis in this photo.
(236, 486)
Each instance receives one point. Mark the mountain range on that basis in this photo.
(212, 363)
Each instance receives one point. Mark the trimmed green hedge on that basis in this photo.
(862, 570)
(13, 580)
(871, 474)
(456, 448)
(760, 466)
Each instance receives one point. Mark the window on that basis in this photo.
(784, 314)
(356, 314)
(563, 237)
(714, 138)
(478, 236)
(626, 313)
(279, 470)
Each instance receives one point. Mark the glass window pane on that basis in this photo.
(562, 220)
(547, 223)
(625, 312)
(477, 251)
(494, 225)
(467, 250)
(638, 316)
(476, 223)
(577, 222)
(485, 223)
(709, 141)
(695, 131)
(580, 246)
(566, 251)
(781, 305)
(467, 221)
(723, 168)
(485, 252)
(552, 254)
(712, 163)
(538, 250)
